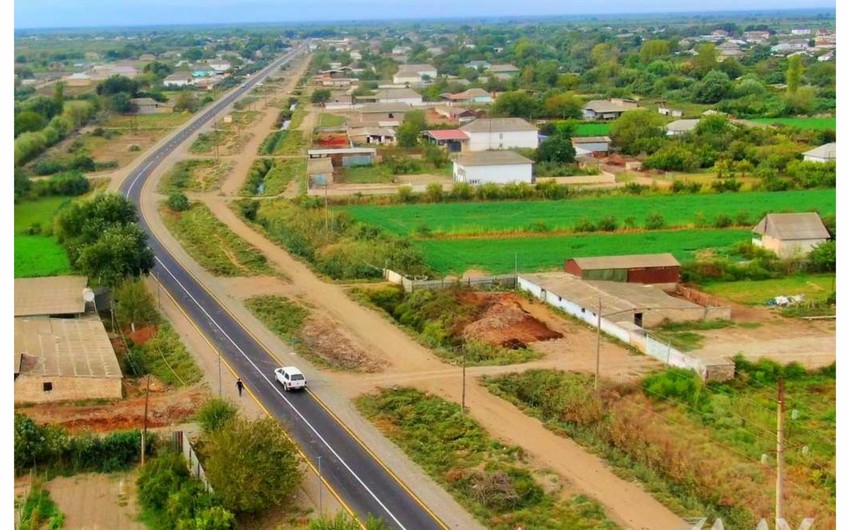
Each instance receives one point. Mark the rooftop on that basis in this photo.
(384, 107)
(502, 68)
(396, 93)
(467, 94)
(55, 295)
(792, 226)
(627, 262)
(492, 158)
(498, 125)
(599, 105)
(64, 347)
(591, 139)
(825, 151)
(683, 125)
(447, 134)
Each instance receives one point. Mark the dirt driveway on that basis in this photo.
(95, 501)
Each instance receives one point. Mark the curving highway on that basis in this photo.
(352, 472)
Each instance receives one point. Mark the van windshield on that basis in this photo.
(297, 377)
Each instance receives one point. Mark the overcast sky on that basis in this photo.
(76, 13)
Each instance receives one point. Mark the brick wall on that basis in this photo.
(30, 389)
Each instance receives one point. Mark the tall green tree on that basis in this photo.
(654, 49)
(637, 131)
(557, 148)
(794, 73)
(320, 96)
(706, 58)
(518, 104)
(410, 129)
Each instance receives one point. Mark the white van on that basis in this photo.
(291, 378)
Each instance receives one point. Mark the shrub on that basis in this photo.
(654, 221)
(722, 221)
(607, 224)
(213, 414)
(405, 194)
(177, 201)
(584, 225)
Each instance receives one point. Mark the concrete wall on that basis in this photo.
(502, 174)
(596, 147)
(409, 101)
(30, 389)
(788, 249)
(485, 141)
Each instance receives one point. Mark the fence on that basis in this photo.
(185, 447)
(504, 280)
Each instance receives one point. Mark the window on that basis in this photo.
(47, 386)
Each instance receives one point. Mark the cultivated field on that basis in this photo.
(469, 218)
(592, 129)
(36, 252)
(811, 286)
(817, 124)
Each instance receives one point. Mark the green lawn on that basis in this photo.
(817, 124)
(812, 286)
(592, 129)
(468, 218)
(36, 254)
(40, 211)
(331, 120)
(496, 255)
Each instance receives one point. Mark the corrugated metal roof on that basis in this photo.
(627, 262)
(792, 226)
(825, 151)
(447, 134)
(54, 295)
(397, 93)
(600, 106)
(384, 107)
(492, 158)
(65, 347)
(498, 125)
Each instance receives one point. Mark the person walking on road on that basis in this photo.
(239, 386)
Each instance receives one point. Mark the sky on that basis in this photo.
(86, 13)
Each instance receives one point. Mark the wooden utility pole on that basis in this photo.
(598, 342)
(463, 384)
(145, 429)
(780, 446)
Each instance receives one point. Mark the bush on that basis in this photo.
(213, 414)
(71, 183)
(584, 225)
(654, 221)
(177, 201)
(722, 221)
(607, 224)
(134, 304)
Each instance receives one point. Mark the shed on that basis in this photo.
(451, 139)
(497, 167)
(679, 127)
(320, 171)
(610, 109)
(150, 106)
(592, 144)
(56, 296)
(59, 359)
(790, 234)
(347, 157)
(823, 153)
(636, 268)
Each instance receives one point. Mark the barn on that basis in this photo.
(658, 269)
(790, 234)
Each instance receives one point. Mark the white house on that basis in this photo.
(790, 234)
(500, 133)
(824, 153)
(801, 31)
(178, 79)
(414, 74)
(497, 167)
(398, 95)
(611, 109)
(219, 67)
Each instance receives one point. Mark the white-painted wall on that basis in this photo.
(497, 174)
(409, 101)
(486, 141)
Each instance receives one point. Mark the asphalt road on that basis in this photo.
(363, 483)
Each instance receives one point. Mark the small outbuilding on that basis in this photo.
(790, 234)
(591, 145)
(609, 109)
(660, 269)
(62, 359)
(451, 139)
(497, 167)
(823, 153)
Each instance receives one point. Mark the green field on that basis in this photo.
(331, 120)
(592, 129)
(38, 254)
(467, 218)
(496, 255)
(816, 124)
(812, 286)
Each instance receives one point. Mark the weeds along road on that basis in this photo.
(363, 484)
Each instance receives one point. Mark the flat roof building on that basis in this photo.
(50, 296)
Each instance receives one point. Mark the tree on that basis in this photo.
(794, 73)
(158, 69)
(118, 84)
(603, 53)
(28, 121)
(121, 103)
(252, 465)
(193, 54)
(214, 414)
(212, 518)
(653, 49)
(705, 59)
(712, 88)
(134, 304)
(47, 107)
(409, 131)
(634, 130)
(563, 106)
(120, 252)
(177, 201)
(83, 222)
(59, 94)
(186, 101)
(320, 96)
(517, 104)
(435, 155)
(557, 148)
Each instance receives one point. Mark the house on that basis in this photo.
(150, 106)
(78, 79)
(757, 37)
(666, 110)
(414, 74)
(456, 114)
(477, 65)
(500, 133)
(372, 135)
(320, 171)
(125, 70)
(801, 31)
(52, 296)
(790, 234)
(497, 167)
(610, 109)
(60, 359)
(219, 67)
(591, 145)
(503, 69)
(729, 50)
(680, 127)
(202, 71)
(660, 269)
(383, 112)
(398, 95)
(452, 139)
(824, 153)
(178, 79)
(471, 95)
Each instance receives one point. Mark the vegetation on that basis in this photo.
(214, 414)
(815, 124)
(331, 120)
(692, 443)
(279, 314)
(194, 175)
(268, 177)
(756, 292)
(164, 356)
(212, 244)
(39, 511)
(37, 253)
(485, 476)
(439, 317)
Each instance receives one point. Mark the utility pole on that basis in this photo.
(145, 429)
(598, 342)
(326, 208)
(463, 384)
(516, 264)
(780, 446)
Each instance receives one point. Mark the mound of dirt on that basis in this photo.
(506, 323)
(325, 338)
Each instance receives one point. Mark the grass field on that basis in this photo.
(468, 218)
(213, 245)
(812, 286)
(195, 175)
(496, 255)
(592, 129)
(331, 120)
(38, 254)
(816, 124)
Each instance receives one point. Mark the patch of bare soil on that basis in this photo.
(503, 322)
(327, 340)
(165, 407)
(94, 501)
